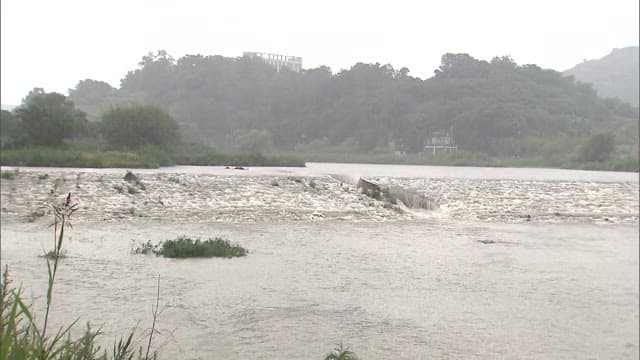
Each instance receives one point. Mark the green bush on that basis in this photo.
(186, 247)
(183, 247)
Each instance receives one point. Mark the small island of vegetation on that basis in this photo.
(187, 247)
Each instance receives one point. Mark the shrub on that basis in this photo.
(598, 148)
(186, 247)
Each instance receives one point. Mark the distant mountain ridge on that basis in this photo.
(615, 75)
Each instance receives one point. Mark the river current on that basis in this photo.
(514, 263)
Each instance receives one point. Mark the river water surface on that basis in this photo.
(515, 263)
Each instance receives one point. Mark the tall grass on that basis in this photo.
(22, 338)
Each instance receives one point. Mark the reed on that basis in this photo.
(21, 337)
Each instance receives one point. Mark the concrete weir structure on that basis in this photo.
(409, 198)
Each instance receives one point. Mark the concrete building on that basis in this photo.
(293, 63)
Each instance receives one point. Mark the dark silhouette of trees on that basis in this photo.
(494, 107)
(48, 118)
(138, 126)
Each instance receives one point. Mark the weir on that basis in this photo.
(410, 198)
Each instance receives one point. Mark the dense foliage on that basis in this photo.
(497, 108)
(46, 119)
(138, 126)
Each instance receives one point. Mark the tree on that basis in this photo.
(49, 118)
(10, 130)
(598, 148)
(8, 123)
(91, 92)
(139, 125)
(253, 141)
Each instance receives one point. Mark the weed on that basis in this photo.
(43, 176)
(118, 189)
(51, 255)
(132, 190)
(22, 338)
(274, 183)
(341, 353)
(145, 248)
(186, 247)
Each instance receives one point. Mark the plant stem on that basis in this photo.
(155, 316)
(57, 242)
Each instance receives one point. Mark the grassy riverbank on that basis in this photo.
(94, 157)
(476, 159)
(145, 158)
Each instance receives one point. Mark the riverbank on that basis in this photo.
(475, 160)
(144, 159)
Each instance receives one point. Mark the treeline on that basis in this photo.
(48, 130)
(498, 108)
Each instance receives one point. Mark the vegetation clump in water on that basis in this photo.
(186, 247)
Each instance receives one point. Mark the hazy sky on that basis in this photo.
(54, 44)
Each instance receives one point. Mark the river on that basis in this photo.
(474, 279)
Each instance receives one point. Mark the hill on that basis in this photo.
(615, 75)
(497, 107)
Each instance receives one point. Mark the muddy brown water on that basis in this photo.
(445, 284)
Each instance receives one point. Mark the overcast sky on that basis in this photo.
(55, 44)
